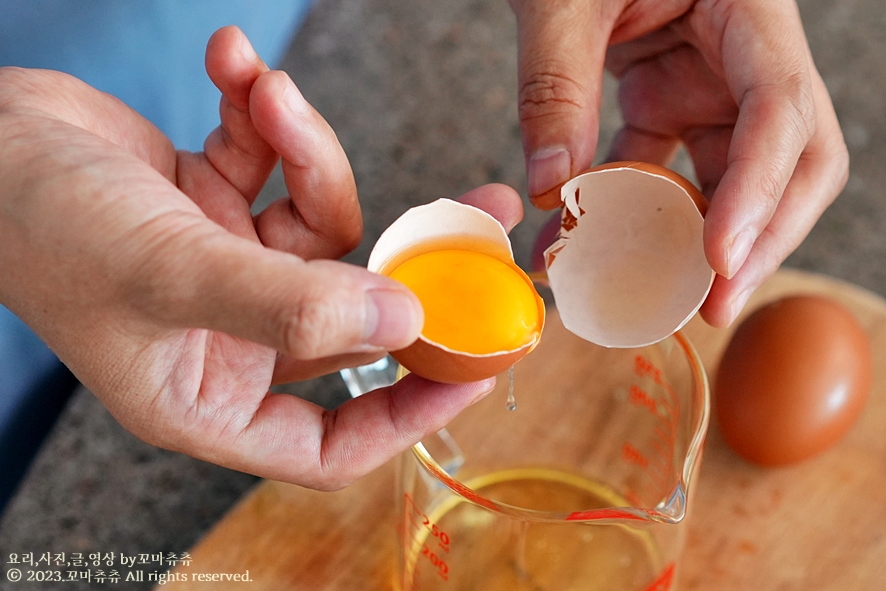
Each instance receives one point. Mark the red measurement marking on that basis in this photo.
(461, 489)
(632, 455)
(639, 397)
(437, 562)
(664, 581)
(416, 521)
(411, 515)
(603, 514)
(419, 520)
(645, 368)
(666, 408)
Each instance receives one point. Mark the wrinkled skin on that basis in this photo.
(732, 80)
(143, 269)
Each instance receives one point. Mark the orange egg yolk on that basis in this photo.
(473, 303)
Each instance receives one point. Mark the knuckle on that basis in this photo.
(771, 188)
(802, 103)
(791, 97)
(346, 236)
(334, 240)
(353, 235)
(767, 184)
(305, 330)
(337, 467)
(544, 91)
(837, 159)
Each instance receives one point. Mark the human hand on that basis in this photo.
(143, 269)
(733, 81)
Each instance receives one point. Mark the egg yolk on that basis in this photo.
(473, 303)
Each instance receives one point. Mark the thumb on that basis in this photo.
(308, 309)
(561, 53)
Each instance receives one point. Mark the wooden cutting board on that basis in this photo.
(820, 524)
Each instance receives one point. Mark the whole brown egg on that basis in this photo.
(792, 380)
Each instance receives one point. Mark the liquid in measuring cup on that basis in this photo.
(461, 546)
(585, 488)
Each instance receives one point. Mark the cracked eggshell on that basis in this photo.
(628, 268)
(446, 224)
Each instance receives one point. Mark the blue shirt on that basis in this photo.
(148, 53)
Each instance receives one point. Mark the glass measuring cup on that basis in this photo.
(584, 486)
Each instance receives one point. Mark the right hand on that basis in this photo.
(732, 81)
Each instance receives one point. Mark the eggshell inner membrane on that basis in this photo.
(440, 225)
(629, 267)
(448, 225)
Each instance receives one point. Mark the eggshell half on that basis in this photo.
(629, 268)
(446, 224)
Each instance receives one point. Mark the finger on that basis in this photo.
(500, 201)
(289, 369)
(663, 97)
(546, 236)
(631, 143)
(369, 430)
(709, 149)
(236, 149)
(820, 175)
(771, 82)
(561, 51)
(621, 56)
(321, 218)
(213, 194)
(328, 450)
(308, 310)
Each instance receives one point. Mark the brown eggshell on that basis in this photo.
(437, 226)
(433, 362)
(792, 381)
(691, 190)
(628, 268)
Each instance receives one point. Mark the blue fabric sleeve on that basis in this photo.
(148, 53)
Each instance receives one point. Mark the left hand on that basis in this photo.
(733, 81)
(144, 270)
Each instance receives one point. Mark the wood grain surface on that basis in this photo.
(820, 524)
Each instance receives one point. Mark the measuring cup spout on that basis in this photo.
(586, 485)
(674, 510)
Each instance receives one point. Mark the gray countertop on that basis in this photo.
(422, 96)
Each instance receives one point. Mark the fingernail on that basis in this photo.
(393, 319)
(738, 304)
(488, 386)
(738, 252)
(246, 49)
(548, 167)
(293, 99)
